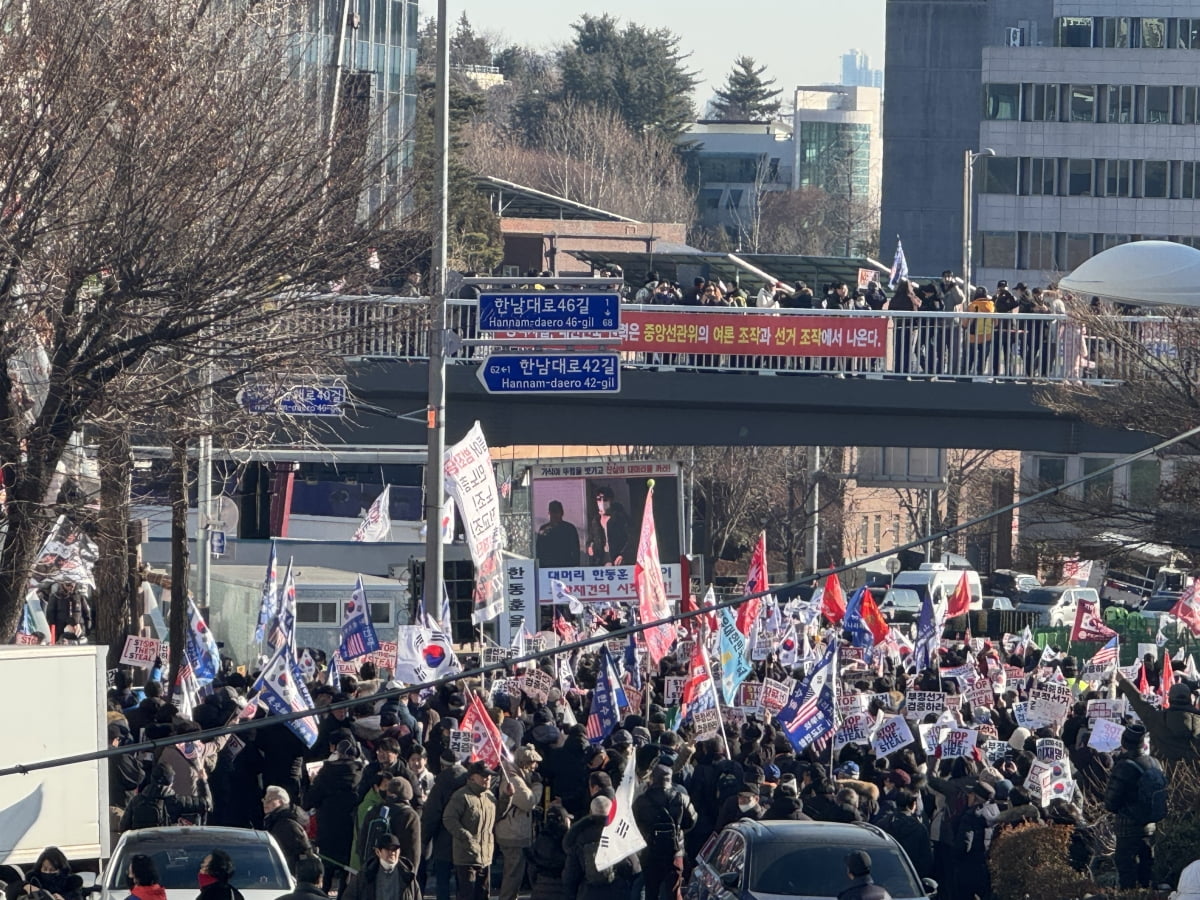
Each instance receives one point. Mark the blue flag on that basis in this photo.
(735, 663)
(852, 621)
(358, 634)
(268, 607)
(808, 716)
(281, 688)
(604, 716)
(925, 647)
(201, 647)
(631, 664)
(283, 632)
(899, 266)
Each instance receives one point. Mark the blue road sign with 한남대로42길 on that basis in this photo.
(545, 311)
(551, 373)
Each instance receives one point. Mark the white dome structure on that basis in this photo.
(1157, 273)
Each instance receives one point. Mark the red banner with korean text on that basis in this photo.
(759, 334)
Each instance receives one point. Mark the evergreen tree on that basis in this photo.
(746, 96)
(468, 48)
(637, 72)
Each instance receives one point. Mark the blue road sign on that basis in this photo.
(551, 373)
(302, 400)
(545, 311)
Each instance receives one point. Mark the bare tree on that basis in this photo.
(164, 208)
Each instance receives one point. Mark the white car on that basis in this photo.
(260, 870)
(1057, 604)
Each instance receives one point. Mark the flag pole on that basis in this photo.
(837, 675)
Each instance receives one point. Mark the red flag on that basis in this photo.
(1143, 682)
(486, 742)
(873, 619)
(651, 592)
(960, 600)
(1088, 624)
(756, 583)
(833, 600)
(1187, 607)
(1166, 679)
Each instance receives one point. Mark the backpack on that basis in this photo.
(591, 874)
(1151, 804)
(663, 839)
(148, 812)
(378, 824)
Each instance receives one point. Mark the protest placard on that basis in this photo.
(929, 737)
(1051, 749)
(1106, 736)
(492, 655)
(855, 729)
(956, 742)
(460, 744)
(537, 685)
(774, 696)
(962, 673)
(634, 696)
(953, 701)
(980, 694)
(994, 751)
(673, 689)
(749, 695)
(891, 734)
(850, 703)
(856, 654)
(1111, 709)
(1145, 650)
(706, 723)
(919, 704)
(1051, 702)
(1015, 674)
(141, 652)
(1024, 715)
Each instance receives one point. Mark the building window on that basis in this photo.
(1002, 101)
(1039, 251)
(1079, 249)
(895, 529)
(1120, 103)
(1185, 104)
(1154, 33)
(1118, 176)
(1079, 177)
(1108, 241)
(864, 534)
(1075, 31)
(1100, 488)
(1144, 476)
(1189, 189)
(1043, 177)
(1083, 102)
(1041, 103)
(878, 532)
(998, 250)
(1051, 471)
(1188, 37)
(1116, 31)
(1154, 179)
(1158, 105)
(999, 175)
(709, 198)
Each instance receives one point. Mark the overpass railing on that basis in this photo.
(918, 345)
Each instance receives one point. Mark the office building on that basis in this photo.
(1089, 105)
(857, 71)
(379, 83)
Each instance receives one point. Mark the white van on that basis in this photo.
(935, 581)
(1057, 605)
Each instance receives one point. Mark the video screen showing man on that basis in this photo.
(557, 540)
(611, 541)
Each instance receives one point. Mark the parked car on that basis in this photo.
(773, 860)
(260, 870)
(1057, 605)
(935, 580)
(1158, 609)
(1007, 583)
(901, 605)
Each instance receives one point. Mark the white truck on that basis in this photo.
(53, 705)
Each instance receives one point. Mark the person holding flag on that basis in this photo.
(809, 714)
(604, 715)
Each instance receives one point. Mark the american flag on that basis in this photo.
(602, 718)
(808, 716)
(355, 646)
(1107, 655)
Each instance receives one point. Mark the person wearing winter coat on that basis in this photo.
(546, 858)
(51, 873)
(215, 877)
(399, 818)
(1189, 883)
(309, 874)
(909, 830)
(453, 775)
(1174, 731)
(470, 818)
(282, 821)
(1134, 855)
(158, 804)
(386, 876)
(333, 797)
(143, 879)
(519, 792)
(785, 804)
(580, 846)
(664, 814)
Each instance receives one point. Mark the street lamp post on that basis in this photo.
(969, 157)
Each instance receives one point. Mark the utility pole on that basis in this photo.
(435, 415)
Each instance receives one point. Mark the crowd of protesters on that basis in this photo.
(382, 807)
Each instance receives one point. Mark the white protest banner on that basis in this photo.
(774, 696)
(957, 742)
(749, 695)
(856, 729)
(963, 673)
(1131, 673)
(994, 751)
(1051, 702)
(919, 704)
(1113, 710)
(492, 655)
(706, 723)
(673, 689)
(141, 652)
(1106, 736)
(510, 687)
(953, 701)
(471, 481)
(1051, 749)
(891, 734)
(1145, 650)
(537, 685)
(929, 737)
(460, 744)
(980, 693)
(850, 703)
(1023, 713)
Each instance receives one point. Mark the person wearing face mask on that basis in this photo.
(216, 873)
(386, 876)
(470, 818)
(142, 879)
(663, 813)
(609, 534)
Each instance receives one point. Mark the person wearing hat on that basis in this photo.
(664, 814)
(333, 794)
(785, 802)
(470, 818)
(309, 872)
(1134, 827)
(905, 824)
(392, 813)
(862, 885)
(620, 746)
(388, 875)
(519, 793)
(452, 776)
(581, 880)
(1174, 731)
(971, 834)
(157, 804)
(744, 804)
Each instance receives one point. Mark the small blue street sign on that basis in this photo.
(551, 373)
(545, 311)
(217, 542)
(302, 400)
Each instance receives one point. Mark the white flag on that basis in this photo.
(621, 838)
(559, 594)
(411, 667)
(377, 523)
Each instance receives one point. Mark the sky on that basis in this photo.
(800, 42)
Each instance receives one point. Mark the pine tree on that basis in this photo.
(746, 96)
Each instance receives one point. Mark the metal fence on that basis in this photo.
(918, 345)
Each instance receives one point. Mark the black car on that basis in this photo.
(784, 860)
